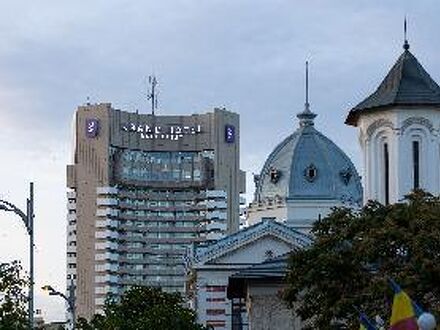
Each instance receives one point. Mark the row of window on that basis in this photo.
(165, 258)
(164, 192)
(160, 235)
(160, 157)
(165, 246)
(158, 267)
(142, 224)
(149, 224)
(159, 214)
(160, 166)
(162, 203)
(176, 279)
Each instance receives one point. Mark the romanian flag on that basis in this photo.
(366, 324)
(403, 315)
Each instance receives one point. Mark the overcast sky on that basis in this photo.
(245, 55)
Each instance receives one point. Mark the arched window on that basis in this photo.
(386, 173)
(417, 145)
(416, 164)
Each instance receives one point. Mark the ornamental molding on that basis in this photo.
(243, 237)
(417, 121)
(274, 175)
(382, 122)
(345, 175)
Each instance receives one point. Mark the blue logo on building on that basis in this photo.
(229, 134)
(92, 128)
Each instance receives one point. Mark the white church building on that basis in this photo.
(399, 127)
(235, 280)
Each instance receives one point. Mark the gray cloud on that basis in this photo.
(246, 55)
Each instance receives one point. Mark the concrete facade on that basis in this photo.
(256, 294)
(266, 308)
(141, 189)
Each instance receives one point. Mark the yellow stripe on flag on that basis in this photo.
(402, 308)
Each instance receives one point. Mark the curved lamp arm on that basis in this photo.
(52, 292)
(9, 207)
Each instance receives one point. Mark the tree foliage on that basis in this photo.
(13, 299)
(355, 253)
(144, 307)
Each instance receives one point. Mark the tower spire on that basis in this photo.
(405, 34)
(306, 117)
(307, 105)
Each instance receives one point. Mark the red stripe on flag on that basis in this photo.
(406, 324)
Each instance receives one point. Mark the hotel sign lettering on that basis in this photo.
(92, 127)
(229, 134)
(168, 132)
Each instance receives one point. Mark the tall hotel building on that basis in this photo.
(141, 189)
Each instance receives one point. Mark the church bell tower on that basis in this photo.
(399, 132)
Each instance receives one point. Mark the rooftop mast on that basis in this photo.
(152, 93)
(405, 34)
(307, 105)
(306, 117)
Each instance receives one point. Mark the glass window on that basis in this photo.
(161, 166)
(386, 159)
(416, 164)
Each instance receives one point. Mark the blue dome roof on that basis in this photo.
(308, 166)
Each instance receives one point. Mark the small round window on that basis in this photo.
(310, 173)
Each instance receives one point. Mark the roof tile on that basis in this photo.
(406, 84)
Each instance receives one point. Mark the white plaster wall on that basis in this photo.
(216, 277)
(399, 127)
(255, 252)
(215, 273)
(302, 214)
(256, 212)
(299, 214)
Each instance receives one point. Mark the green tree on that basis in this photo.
(13, 299)
(355, 253)
(144, 307)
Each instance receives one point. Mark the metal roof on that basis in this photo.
(271, 271)
(273, 268)
(406, 84)
(336, 178)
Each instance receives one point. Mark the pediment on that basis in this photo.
(254, 243)
(255, 251)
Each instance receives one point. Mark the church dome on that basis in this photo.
(308, 166)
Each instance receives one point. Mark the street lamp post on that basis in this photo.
(28, 220)
(70, 299)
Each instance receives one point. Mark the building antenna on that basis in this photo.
(307, 105)
(152, 93)
(405, 34)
